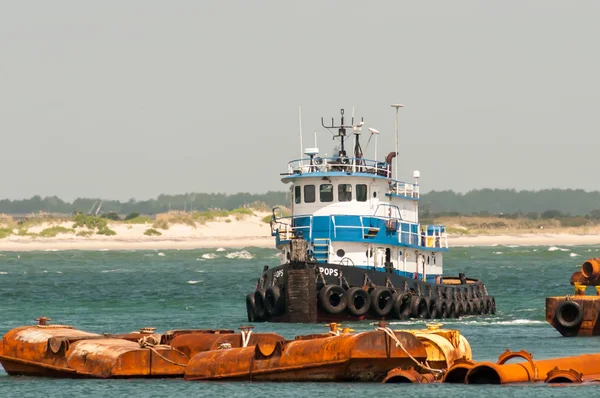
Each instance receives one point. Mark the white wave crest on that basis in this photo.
(498, 253)
(3, 273)
(51, 250)
(221, 249)
(554, 248)
(209, 256)
(573, 254)
(244, 254)
(161, 254)
(193, 282)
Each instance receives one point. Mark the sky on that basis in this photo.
(131, 99)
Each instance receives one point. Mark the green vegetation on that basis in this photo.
(105, 231)
(4, 232)
(152, 232)
(84, 233)
(53, 231)
(138, 220)
(90, 222)
(189, 202)
(111, 216)
(131, 216)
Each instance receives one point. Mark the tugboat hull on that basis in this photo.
(317, 292)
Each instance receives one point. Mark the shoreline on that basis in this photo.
(266, 242)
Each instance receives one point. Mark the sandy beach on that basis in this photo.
(232, 232)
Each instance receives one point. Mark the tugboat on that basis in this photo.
(353, 248)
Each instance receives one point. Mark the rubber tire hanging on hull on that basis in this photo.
(259, 305)
(569, 314)
(273, 303)
(358, 301)
(339, 302)
(401, 308)
(381, 295)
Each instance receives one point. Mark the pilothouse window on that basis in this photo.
(344, 192)
(309, 194)
(297, 194)
(361, 192)
(326, 193)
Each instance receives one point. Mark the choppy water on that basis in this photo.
(121, 291)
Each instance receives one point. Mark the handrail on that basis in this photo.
(422, 238)
(354, 165)
(339, 163)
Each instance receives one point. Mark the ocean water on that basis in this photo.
(121, 291)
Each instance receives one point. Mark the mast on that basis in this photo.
(397, 106)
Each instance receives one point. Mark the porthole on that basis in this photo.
(340, 253)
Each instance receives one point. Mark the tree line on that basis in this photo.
(548, 203)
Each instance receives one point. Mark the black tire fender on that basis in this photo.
(259, 305)
(358, 301)
(432, 307)
(451, 305)
(251, 307)
(401, 305)
(274, 301)
(442, 308)
(338, 304)
(381, 295)
(418, 308)
(460, 308)
(569, 314)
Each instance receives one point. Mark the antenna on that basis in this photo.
(300, 122)
(376, 134)
(341, 131)
(397, 106)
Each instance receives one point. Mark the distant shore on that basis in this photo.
(235, 229)
(240, 241)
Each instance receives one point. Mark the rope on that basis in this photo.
(392, 335)
(151, 343)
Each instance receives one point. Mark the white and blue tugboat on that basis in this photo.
(353, 247)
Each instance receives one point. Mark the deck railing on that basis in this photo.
(354, 165)
(427, 235)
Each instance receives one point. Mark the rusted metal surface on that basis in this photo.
(531, 371)
(458, 372)
(578, 314)
(443, 346)
(191, 344)
(62, 351)
(366, 356)
(409, 375)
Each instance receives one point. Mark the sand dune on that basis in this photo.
(249, 231)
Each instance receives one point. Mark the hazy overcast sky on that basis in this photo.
(121, 99)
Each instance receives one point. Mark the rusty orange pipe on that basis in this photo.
(366, 356)
(493, 373)
(458, 372)
(410, 375)
(591, 269)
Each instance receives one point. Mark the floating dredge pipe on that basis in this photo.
(530, 371)
(410, 375)
(591, 269)
(366, 356)
(458, 372)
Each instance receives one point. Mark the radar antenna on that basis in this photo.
(341, 128)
